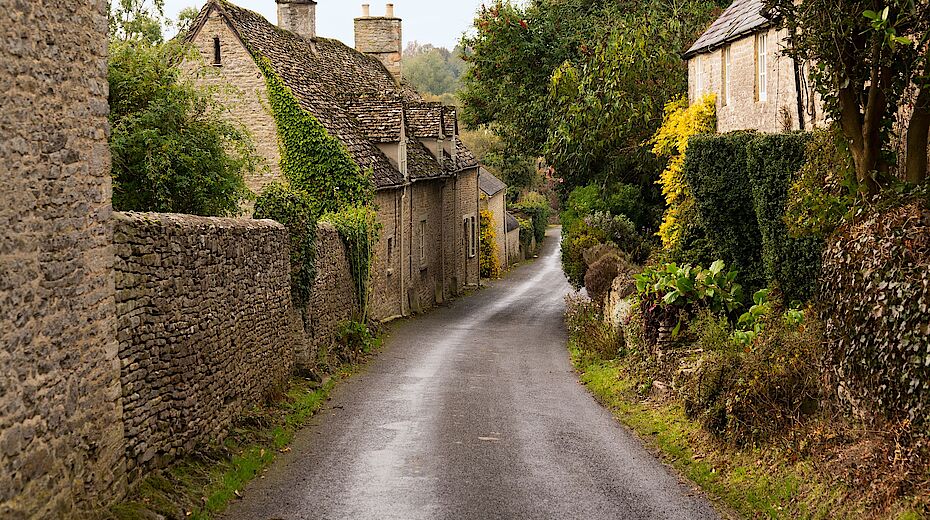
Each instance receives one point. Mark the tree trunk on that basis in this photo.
(918, 133)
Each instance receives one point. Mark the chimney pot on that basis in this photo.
(390, 11)
(366, 11)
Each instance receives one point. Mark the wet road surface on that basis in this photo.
(472, 412)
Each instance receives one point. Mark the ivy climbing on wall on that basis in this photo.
(320, 178)
(360, 230)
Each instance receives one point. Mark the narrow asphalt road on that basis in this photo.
(472, 412)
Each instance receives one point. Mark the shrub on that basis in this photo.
(875, 294)
(588, 330)
(753, 393)
(573, 249)
(671, 293)
(824, 189)
(622, 232)
(715, 169)
(615, 199)
(681, 123)
(604, 262)
(791, 264)
(536, 207)
(173, 151)
(490, 264)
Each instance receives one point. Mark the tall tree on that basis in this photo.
(136, 20)
(868, 55)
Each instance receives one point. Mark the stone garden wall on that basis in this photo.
(61, 438)
(202, 309)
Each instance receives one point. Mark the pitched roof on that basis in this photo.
(450, 122)
(742, 18)
(380, 120)
(489, 184)
(351, 93)
(511, 222)
(425, 119)
(464, 158)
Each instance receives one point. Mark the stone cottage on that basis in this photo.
(740, 59)
(426, 179)
(493, 198)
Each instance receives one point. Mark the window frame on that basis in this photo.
(421, 231)
(762, 71)
(217, 52)
(727, 66)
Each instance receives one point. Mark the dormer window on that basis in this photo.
(217, 52)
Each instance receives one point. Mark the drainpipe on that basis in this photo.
(442, 239)
(399, 226)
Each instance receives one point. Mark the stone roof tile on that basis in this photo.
(742, 18)
(489, 184)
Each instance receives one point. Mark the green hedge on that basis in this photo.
(791, 264)
(715, 169)
(740, 183)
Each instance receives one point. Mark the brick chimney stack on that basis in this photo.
(298, 16)
(381, 37)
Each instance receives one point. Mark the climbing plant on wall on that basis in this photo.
(490, 263)
(320, 178)
(359, 229)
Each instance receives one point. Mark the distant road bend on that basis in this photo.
(472, 412)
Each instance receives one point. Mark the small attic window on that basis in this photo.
(217, 53)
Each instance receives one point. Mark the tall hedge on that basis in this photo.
(791, 264)
(715, 169)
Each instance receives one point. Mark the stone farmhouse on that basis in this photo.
(740, 59)
(426, 179)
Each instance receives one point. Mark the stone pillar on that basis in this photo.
(381, 37)
(61, 430)
(298, 16)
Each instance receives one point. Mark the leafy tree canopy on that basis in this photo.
(433, 70)
(172, 150)
(583, 82)
(869, 57)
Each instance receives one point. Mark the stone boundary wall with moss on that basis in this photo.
(332, 299)
(203, 307)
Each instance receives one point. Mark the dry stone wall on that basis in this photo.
(332, 298)
(202, 306)
(60, 434)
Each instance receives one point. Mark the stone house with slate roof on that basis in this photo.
(740, 59)
(426, 179)
(493, 198)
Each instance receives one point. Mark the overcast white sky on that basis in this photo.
(440, 22)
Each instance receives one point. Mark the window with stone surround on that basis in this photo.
(762, 90)
(217, 52)
(422, 242)
(725, 80)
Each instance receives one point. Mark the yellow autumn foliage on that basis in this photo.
(681, 123)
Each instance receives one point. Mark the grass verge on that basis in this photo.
(768, 482)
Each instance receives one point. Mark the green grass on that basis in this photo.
(202, 485)
(747, 482)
